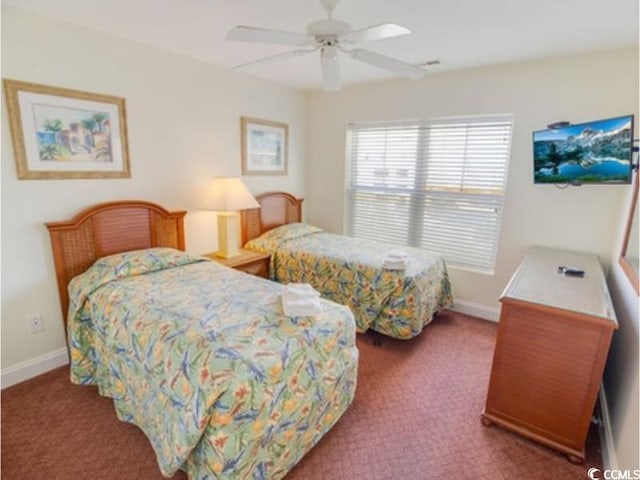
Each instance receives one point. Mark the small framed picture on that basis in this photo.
(59, 133)
(264, 147)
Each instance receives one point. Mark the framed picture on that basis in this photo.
(60, 133)
(264, 147)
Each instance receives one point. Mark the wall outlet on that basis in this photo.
(36, 323)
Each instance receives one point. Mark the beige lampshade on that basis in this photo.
(229, 194)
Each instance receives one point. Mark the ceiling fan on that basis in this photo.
(330, 36)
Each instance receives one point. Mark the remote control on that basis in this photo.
(572, 271)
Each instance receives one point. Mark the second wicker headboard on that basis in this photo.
(278, 208)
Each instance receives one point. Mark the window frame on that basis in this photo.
(421, 161)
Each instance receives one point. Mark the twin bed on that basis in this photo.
(197, 355)
(350, 271)
(201, 357)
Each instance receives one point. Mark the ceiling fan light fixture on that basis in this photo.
(330, 53)
(330, 68)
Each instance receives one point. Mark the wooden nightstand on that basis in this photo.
(248, 261)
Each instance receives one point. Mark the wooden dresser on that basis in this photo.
(551, 348)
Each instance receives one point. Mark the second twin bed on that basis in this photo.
(396, 302)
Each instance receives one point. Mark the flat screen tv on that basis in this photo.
(592, 152)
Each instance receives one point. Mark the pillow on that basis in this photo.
(269, 241)
(139, 262)
(135, 262)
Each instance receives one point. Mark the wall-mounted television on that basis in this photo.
(592, 152)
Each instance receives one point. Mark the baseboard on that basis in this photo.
(476, 310)
(609, 457)
(31, 368)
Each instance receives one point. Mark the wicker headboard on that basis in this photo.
(109, 228)
(278, 208)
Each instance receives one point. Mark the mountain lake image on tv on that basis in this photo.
(593, 152)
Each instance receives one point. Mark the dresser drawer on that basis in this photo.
(260, 268)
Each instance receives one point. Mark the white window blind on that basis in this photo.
(436, 185)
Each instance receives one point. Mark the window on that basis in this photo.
(436, 185)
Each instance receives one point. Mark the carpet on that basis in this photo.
(416, 415)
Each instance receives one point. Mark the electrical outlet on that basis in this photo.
(36, 323)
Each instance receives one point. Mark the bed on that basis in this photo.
(397, 303)
(199, 356)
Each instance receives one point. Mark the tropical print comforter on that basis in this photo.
(349, 271)
(202, 359)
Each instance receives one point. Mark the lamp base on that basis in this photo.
(228, 234)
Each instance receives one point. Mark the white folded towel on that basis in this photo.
(394, 265)
(395, 260)
(300, 300)
(301, 308)
(301, 290)
(396, 255)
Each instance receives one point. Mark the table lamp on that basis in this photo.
(228, 195)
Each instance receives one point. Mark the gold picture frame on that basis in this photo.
(264, 146)
(58, 133)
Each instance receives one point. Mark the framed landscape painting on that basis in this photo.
(59, 133)
(264, 147)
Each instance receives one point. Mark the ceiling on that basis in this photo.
(459, 33)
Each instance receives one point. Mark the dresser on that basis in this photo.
(551, 348)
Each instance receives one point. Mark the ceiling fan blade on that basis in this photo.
(242, 33)
(376, 32)
(273, 58)
(330, 69)
(387, 63)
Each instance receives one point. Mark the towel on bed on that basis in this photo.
(395, 260)
(300, 300)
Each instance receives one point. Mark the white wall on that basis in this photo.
(622, 373)
(576, 89)
(589, 218)
(184, 128)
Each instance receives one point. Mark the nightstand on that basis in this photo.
(248, 261)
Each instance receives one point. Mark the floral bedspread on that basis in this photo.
(349, 271)
(202, 359)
